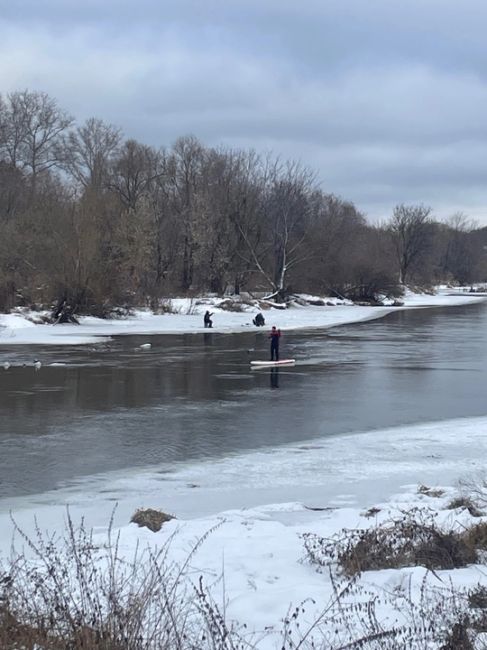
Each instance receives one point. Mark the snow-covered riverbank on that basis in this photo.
(18, 328)
(255, 565)
(259, 505)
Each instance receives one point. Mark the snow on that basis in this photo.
(18, 328)
(259, 551)
(253, 560)
(258, 505)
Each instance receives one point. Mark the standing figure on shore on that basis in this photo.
(207, 319)
(274, 336)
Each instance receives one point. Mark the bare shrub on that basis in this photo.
(216, 629)
(150, 518)
(231, 305)
(192, 308)
(430, 492)
(459, 637)
(477, 597)
(163, 306)
(466, 503)
(74, 593)
(412, 540)
(420, 617)
(475, 537)
(475, 489)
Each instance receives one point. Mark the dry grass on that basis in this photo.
(466, 503)
(412, 540)
(164, 306)
(232, 305)
(430, 492)
(478, 597)
(150, 518)
(475, 537)
(474, 489)
(74, 594)
(371, 512)
(459, 637)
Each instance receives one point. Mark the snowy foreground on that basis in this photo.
(253, 559)
(255, 565)
(18, 328)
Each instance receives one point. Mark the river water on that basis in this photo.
(113, 406)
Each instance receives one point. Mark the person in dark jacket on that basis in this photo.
(207, 319)
(259, 320)
(274, 336)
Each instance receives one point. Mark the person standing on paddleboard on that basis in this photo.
(274, 336)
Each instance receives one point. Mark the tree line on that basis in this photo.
(93, 219)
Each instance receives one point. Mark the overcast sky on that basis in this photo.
(385, 99)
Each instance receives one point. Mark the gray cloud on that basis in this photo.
(384, 100)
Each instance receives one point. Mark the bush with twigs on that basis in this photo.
(413, 539)
(72, 592)
(75, 592)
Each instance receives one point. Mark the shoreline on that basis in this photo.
(354, 469)
(17, 329)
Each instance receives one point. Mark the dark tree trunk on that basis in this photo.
(63, 313)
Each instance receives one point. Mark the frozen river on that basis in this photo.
(114, 408)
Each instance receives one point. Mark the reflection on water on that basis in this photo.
(114, 406)
(274, 377)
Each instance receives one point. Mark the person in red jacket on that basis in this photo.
(274, 336)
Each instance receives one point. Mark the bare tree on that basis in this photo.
(148, 221)
(463, 252)
(335, 237)
(184, 175)
(12, 191)
(410, 232)
(31, 127)
(226, 197)
(12, 132)
(277, 244)
(134, 169)
(88, 152)
(162, 229)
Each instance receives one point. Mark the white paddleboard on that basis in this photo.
(264, 364)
